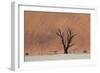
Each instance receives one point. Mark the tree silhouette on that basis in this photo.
(66, 41)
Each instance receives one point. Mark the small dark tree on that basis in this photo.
(84, 51)
(26, 53)
(66, 41)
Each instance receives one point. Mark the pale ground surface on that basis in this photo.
(57, 57)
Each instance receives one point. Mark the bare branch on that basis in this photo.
(73, 35)
(58, 34)
(61, 35)
(71, 45)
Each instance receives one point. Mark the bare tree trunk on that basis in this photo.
(65, 51)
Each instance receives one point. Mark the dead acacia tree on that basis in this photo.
(66, 41)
